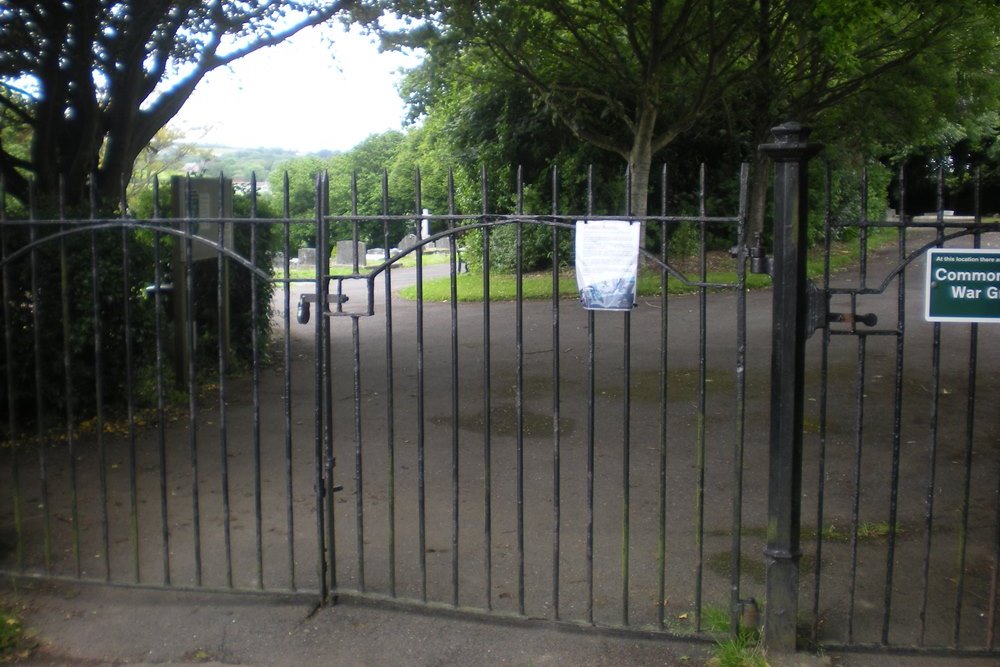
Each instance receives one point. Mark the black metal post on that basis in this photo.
(790, 153)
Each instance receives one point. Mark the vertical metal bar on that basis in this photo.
(626, 461)
(192, 333)
(319, 480)
(36, 314)
(991, 612)
(255, 387)
(791, 154)
(359, 479)
(129, 393)
(970, 421)
(102, 456)
(824, 369)
(591, 408)
(354, 222)
(519, 386)
(995, 581)
(736, 531)
(161, 411)
(931, 476)
(487, 400)
(863, 255)
(932, 449)
(287, 324)
(71, 452)
(12, 422)
(856, 484)
(421, 434)
(556, 406)
(326, 326)
(453, 271)
(223, 335)
(860, 407)
(390, 417)
(699, 493)
(661, 520)
(890, 559)
(626, 423)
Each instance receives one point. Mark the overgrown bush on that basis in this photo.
(55, 321)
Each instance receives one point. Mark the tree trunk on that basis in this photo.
(640, 162)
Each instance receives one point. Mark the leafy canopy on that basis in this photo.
(94, 80)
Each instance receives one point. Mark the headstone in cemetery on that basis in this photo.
(407, 242)
(345, 253)
(307, 256)
(194, 200)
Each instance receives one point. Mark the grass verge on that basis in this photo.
(14, 645)
(503, 286)
(742, 650)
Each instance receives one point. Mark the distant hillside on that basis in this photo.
(239, 163)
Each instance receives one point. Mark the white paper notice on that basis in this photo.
(607, 261)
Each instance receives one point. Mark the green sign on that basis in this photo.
(963, 285)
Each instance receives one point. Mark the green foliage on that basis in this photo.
(121, 75)
(743, 650)
(66, 310)
(241, 163)
(11, 636)
(846, 193)
(536, 248)
(64, 282)
(506, 84)
(503, 286)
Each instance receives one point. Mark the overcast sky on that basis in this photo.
(300, 96)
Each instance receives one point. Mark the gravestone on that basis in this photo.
(345, 254)
(307, 256)
(193, 201)
(407, 242)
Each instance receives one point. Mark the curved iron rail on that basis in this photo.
(916, 254)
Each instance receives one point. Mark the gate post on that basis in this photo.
(790, 153)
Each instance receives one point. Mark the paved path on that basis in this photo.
(91, 625)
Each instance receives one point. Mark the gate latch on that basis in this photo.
(818, 314)
(302, 315)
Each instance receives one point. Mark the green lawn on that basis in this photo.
(503, 287)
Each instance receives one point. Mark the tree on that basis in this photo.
(632, 77)
(627, 77)
(863, 70)
(166, 153)
(96, 79)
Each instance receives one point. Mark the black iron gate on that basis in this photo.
(902, 471)
(515, 456)
(525, 457)
(510, 456)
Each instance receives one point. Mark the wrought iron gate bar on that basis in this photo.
(556, 410)
(933, 621)
(597, 528)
